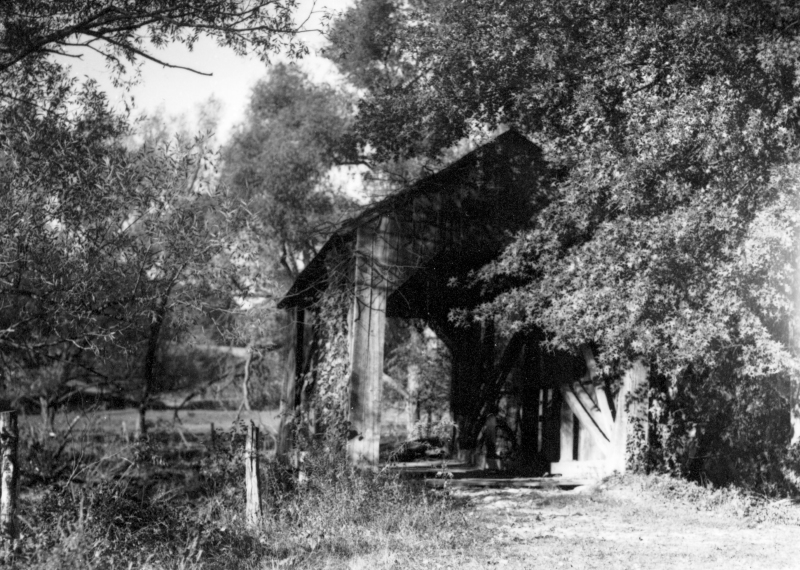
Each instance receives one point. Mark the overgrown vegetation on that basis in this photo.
(670, 237)
(146, 506)
(726, 501)
(671, 234)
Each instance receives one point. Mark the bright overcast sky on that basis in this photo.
(181, 92)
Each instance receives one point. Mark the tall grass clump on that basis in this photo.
(141, 506)
(338, 512)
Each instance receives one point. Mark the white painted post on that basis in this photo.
(252, 486)
(9, 475)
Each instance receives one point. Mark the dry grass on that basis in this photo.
(142, 506)
(168, 505)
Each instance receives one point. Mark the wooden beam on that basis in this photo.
(367, 330)
(794, 402)
(600, 409)
(287, 404)
(583, 408)
(566, 434)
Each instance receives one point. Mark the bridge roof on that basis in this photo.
(505, 161)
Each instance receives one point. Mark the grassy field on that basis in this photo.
(189, 421)
(178, 502)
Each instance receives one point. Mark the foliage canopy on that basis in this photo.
(674, 124)
(124, 32)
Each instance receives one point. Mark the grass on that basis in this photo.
(144, 506)
(176, 501)
(729, 501)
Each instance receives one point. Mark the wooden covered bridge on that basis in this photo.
(409, 256)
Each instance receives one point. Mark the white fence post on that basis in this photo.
(252, 486)
(9, 475)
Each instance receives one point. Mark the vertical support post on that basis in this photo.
(9, 475)
(632, 411)
(367, 330)
(551, 424)
(412, 402)
(252, 486)
(794, 403)
(287, 404)
(794, 378)
(567, 435)
(212, 435)
(125, 435)
(466, 381)
(531, 395)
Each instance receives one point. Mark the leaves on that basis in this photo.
(277, 164)
(674, 125)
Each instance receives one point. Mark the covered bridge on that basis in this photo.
(409, 256)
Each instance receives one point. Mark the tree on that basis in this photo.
(671, 235)
(180, 239)
(100, 242)
(85, 251)
(120, 30)
(278, 162)
(368, 43)
(66, 188)
(419, 366)
(365, 44)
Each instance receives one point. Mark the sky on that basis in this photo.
(180, 92)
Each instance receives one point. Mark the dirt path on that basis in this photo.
(619, 528)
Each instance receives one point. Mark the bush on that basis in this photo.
(723, 428)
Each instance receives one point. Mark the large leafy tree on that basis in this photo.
(279, 161)
(101, 243)
(672, 233)
(98, 236)
(65, 188)
(278, 165)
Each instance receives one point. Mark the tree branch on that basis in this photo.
(144, 54)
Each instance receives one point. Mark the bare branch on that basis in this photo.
(144, 54)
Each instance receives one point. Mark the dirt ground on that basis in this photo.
(608, 528)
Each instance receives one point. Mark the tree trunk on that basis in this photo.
(149, 372)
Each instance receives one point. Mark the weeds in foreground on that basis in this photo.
(142, 511)
(730, 501)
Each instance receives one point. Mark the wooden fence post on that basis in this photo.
(213, 435)
(252, 487)
(9, 475)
